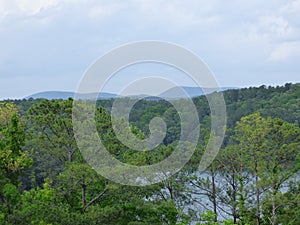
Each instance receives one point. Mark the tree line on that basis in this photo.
(254, 179)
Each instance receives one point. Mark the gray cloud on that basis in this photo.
(48, 44)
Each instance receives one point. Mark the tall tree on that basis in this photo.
(12, 139)
(13, 160)
(271, 147)
(251, 134)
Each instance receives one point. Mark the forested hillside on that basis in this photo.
(255, 178)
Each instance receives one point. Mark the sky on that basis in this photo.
(49, 44)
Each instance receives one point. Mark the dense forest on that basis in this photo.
(255, 179)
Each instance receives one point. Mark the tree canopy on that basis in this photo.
(254, 179)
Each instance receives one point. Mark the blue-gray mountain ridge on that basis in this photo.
(172, 93)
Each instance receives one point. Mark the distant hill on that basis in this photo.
(176, 92)
(66, 94)
(172, 93)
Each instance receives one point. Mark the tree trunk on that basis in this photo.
(234, 198)
(70, 156)
(214, 195)
(83, 192)
(273, 222)
(94, 199)
(257, 194)
(274, 209)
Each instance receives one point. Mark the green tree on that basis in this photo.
(251, 135)
(52, 138)
(13, 160)
(270, 146)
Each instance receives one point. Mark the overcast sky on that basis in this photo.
(48, 44)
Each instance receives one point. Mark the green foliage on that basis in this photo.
(13, 160)
(253, 180)
(11, 193)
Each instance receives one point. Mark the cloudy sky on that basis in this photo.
(49, 44)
